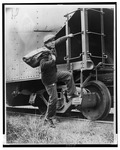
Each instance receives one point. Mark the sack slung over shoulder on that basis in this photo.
(34, 57)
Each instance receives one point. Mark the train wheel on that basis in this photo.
(103, 106)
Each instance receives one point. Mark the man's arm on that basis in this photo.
(63, 38)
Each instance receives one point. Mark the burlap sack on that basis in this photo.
(34, 57)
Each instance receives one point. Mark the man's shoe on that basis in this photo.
(49, 122)
(76, 94)
(69, 98)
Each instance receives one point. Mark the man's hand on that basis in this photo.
(70, 35)
(53, 57)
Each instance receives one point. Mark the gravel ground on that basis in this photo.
(29, 129)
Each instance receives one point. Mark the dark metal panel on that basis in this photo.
(109, 31)
(76, 48)
(94, 25)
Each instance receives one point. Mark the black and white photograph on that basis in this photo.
(60, 74)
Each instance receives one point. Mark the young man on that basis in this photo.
(50, 75)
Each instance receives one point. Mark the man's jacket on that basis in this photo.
(48, 71)
(48, 67)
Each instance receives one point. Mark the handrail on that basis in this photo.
(90, 32)
(72, 12)
(105, 56)
(78, 33)
(66, 57)
(95, 10)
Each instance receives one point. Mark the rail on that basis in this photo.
(75, 114)
(90, 32)
(72, 12)
(65, 58)
(95, 10)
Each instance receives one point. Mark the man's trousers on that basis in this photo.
(67, 78)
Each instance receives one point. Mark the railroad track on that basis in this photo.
(74, 114)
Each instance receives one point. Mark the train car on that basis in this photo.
(89, 55)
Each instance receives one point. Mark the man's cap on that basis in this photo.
(48, 37)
